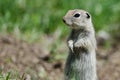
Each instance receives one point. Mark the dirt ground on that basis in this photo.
(32, 61)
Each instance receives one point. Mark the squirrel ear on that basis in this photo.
(88, 16)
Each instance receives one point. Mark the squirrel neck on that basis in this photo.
(76, 32)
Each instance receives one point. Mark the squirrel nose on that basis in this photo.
(64, 20)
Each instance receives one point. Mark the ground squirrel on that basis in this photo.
(81, 61)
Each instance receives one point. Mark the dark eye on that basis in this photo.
(77, 15)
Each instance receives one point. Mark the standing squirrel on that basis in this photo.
(81, 61)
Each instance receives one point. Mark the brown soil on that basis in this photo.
(33, 60)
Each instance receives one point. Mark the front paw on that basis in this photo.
(70, 45)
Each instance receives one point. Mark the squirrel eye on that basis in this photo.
(77, 15)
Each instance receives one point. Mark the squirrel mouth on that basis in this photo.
(69, 23)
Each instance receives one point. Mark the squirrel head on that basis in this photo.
(78, 19)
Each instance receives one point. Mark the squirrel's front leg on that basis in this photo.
(83, 43)
(70, 45)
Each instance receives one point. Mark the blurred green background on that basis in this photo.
(31, 18)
